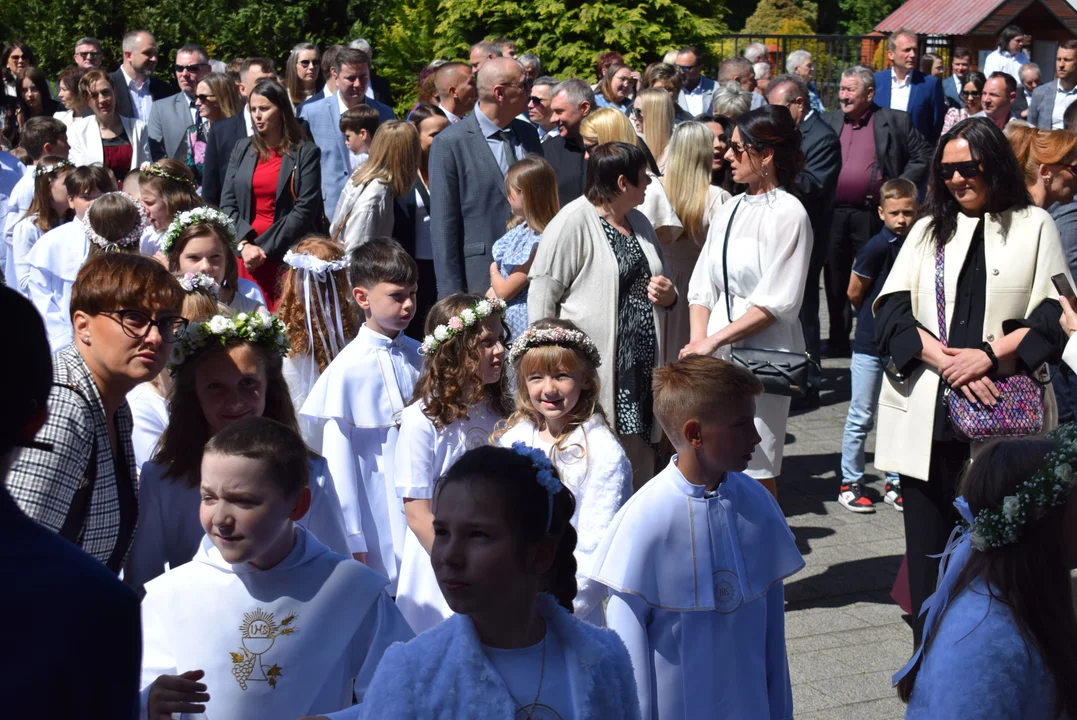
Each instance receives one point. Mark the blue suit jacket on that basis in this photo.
(324, 119)
(952, 92)
(927, 108)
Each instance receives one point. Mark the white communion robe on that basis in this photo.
(24, 236)
(595, 468)
(169, 529)
(149, 413)
(55, 261)
(281, 643)
(423, 454)
(357, 404)
(696, 594)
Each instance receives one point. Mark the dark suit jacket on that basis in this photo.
(951, 91)
(926, 105)
(468, 205)
(816, 183)
(568, 162)
(292, 218)
(405, 211)
(382, 91)
(222, 138)
(159, 90)
(900, 151)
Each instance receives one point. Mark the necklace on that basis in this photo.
(525, 712)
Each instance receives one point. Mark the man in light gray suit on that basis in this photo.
(1049, 102)
(468, 162)
(170, 118)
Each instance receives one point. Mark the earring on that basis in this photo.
(85, 339)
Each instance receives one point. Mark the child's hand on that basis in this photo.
(177, 694)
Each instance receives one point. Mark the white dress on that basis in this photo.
(24, 236)
(769, 247)
(55, 261)
(149, 412)
(658, 210)
(423, 454)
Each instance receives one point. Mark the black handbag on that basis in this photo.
(781, 372)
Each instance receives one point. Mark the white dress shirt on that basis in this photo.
(141, 99)
(248, 120)
(1003, 61)
(453, 119)
(900, 91)
(694, 99)
(1063, 99)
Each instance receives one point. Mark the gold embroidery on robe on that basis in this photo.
(259, 632)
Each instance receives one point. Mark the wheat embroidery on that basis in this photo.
(258, 632)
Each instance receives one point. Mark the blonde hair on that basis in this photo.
(609, 125)
(536, 182)
(658, 114)
(394, 158)
(698, 387)
(688, 173)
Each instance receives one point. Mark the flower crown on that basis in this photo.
(562, 337)
(131, 239)
(314, 265)
(155, 169)
(1049, 487)
(43, 170)
(200, 281)
(458, 323)
(544, 474)
(187, 218)
(255, 328)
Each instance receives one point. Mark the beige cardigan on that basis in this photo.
(1022, 251)
(574, 277)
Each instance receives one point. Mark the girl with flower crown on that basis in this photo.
(458, 400)
(165, 188)
(1000, 633)
(557, 411)
(49, 209)
(223, 370)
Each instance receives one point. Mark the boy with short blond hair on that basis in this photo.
(696, 558)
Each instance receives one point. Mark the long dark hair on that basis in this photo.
(37, 77)
(291, 134)
(771, 126)
(526, 501)
(27, 54)
(1031, 575)
(1004, 178)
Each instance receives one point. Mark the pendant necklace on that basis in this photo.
(535, 711)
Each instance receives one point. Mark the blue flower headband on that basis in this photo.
(544, 475)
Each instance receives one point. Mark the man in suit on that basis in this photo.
(468, 162)
(904, 87)
(170, 118)
(815, 187)
(379, 88)
(697, 92)
(455, 84)
(88, 55)
(539, 110)
(225, 133)
(1050, 101)
(570, 102)
(352, 70)
(960, 65)
(877, 144)
(136, 88)
(1030, 80)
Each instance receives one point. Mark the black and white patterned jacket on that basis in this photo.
(43, 482)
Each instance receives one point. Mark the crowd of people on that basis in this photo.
(381, 417)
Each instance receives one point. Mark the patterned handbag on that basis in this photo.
(1019, 410)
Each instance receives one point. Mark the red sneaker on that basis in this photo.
(852, 497)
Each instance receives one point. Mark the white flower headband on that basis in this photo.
(257, 328)
(200, 281)
(458, 323)
(155, 169)
(43, 170)
(131, 239)
(324, 273)
(544, 475)
(187, 218)
(314, 265)
(534, 337)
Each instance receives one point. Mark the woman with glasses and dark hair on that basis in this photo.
(17, 56)
(301, 72)
(996, 253)
(972, 93)
(78, 475)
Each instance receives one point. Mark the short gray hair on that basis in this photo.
(732, 100)
(796, 59)
(88, 41)
(547, 80)
(362, 44)
(755, 52)
(798, 87)
(576, 91)
(530, 60)
(130, 40)
(864, 74)
(891, 42)
(488, 47)
(761, 69)
(1030, 67)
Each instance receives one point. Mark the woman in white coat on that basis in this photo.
(106, 138)
(997, 253)
(747, 287)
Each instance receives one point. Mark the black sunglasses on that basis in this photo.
(136, 324)
(87, 55)
(739, 148)
(968, 170)
(203, 98)
(535, 100)
(306, 63)
(196, 68)
(971, 94)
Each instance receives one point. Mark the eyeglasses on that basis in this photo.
(205, 98)
(739, 148)
(87, 55)
(136, 324)
(971, 94)
(196, 68)
(968, 170)
(305, 63)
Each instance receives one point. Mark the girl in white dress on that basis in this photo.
(49, 209)
(761, 242)
(557, 411)
(165, 188)
(223, 371)
(458, 399)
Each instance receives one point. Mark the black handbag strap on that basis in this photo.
(725, 266)
(80, 503)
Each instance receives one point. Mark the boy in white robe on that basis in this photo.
(695, 559)
(359, 398)
(266, 621)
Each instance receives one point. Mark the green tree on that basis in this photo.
(770, 14)
(859, 17)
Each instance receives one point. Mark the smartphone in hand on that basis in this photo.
(1062, 285)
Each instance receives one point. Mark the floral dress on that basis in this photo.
(636, 336)
(194, 138)
(511, 250)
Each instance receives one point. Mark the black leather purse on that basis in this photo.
(781, 372)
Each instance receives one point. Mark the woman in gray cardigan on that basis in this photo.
(600, 265)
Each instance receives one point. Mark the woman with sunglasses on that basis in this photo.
(301, 73)
(77, 477)
(972, 93)
(16, 56)
(107, 138)
(216, 97)
(997, 252)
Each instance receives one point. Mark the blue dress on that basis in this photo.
(512, 249)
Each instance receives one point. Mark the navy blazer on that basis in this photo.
(951, 90)
(926, 108)
(159, 90)
(222, 138)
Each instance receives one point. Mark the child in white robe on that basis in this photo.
(459, 399)
(266, 622)
(695, 559)
(503, 555)
(557, 411)
(358, 401)
(48, 210)
(214, 386)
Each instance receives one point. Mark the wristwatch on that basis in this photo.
(991, 356)
(242, 244)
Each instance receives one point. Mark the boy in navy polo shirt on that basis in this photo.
(872, 265)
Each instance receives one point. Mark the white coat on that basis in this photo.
(54, 262)
(366, 211)
(84, 136)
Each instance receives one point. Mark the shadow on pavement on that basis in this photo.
(866, 580)
(805, 533)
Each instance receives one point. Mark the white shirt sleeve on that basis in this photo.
(383, 626)
(627, 615)
(781, 289)
(415, 474)
(24, 235)
(338, 453)
(701, 289)
(325, 518)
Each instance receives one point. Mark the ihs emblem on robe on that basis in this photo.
(259, 631)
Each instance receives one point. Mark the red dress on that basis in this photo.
(264, 201)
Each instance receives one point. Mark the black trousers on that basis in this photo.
(809, 308)
(424, 300)
(850, 230)
(930, 517)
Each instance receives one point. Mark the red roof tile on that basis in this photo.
(939, 17)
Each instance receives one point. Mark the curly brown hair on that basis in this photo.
(451, 379)
(294, 314)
